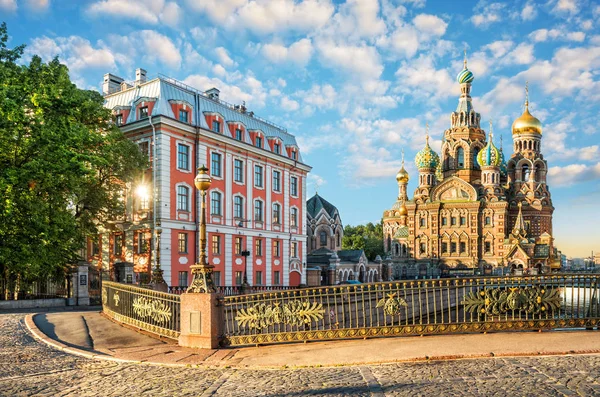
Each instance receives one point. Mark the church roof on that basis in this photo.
(401, 232)
(541, 251)
(320, 256)
(350, 255)
(316, 203)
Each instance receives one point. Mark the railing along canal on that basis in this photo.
(152, 311)
(413, 308)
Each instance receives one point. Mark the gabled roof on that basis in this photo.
(316, 203)
(350, 255)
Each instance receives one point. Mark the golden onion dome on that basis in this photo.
(403, 210)
(527, 123)
(402, 176)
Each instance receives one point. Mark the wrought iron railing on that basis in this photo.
(415, 307)
(235, 289)
(46, 288)
(152, 311)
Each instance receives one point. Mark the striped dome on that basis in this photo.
(427, 158)
(503, 170)
(489, 156)
(465, 76)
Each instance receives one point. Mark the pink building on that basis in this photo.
(256, 203)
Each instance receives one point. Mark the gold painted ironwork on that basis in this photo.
(496, 301)
(155, 309)
(295, 312)
(104, 296)
(392, 304)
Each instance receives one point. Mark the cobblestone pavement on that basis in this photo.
(30, 368)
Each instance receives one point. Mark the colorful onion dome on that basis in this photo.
(489, 156)
(527, 124)
(402, 175)
(427, 158)
(503, 170)
(465, 76)
(439, 173)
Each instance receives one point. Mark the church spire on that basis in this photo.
(519, 230)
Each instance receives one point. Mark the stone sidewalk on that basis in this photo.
(89, 334)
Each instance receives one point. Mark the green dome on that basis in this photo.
(503, 170)
(427, 158)
(489, 156)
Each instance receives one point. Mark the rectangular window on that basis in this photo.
(215, 203)
(183, 115)
(276, 148)
(444, 221)
(422, 222)
(143, 113)
(145, 148)
(258, 142)
(119, 119)
(142, 243)
(258, 176)
(276, 280)
(239, 135)
(183, 279)
(276, 248)
(183, 198)
(216, 278)
(294, 155)
(453, 221)
(258, 247)
(463, 247)
(183, 157)
(216, 126)
(216, 245)
(118, 246)
(444, 248)
(238, 245)
(463, 220)
(238, 171)
(294, 186)
(258, 211)
(276, 181)
(294, 250)
(238, 278)
(215, 168)
(294, 217)
(238, 207)
(95, 248)
(422, 247)
(488, 246)
(488, 220)
(276, 214)
(182, 243)
(453, 247)
(258, 280)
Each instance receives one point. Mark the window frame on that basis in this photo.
(257, 174)
(239, 215)
(219, 211)
(294, 186)
(216, 123)
(261, 209)
(258, 248)
(186, 155)
(238, 171)
(215, 244)
(276, 215)
(182, 239)
(276, 181)
(187, 207)
(143, 112)
(219, 173)
(187, 116)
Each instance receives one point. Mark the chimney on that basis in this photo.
(213, 93)
(140, 76)
(111, 84)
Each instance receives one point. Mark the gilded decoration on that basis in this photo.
(116, 298)
(296, 312)
(104, 296)
(392, 305)
(145, 307)
(497, 301)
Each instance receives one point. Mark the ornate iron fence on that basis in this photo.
(413, 308)
(47, 288)
(152, 311)
(235, 289)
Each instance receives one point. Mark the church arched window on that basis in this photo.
(475, 153)
(525, 171)
(460, 157)
(323, 239)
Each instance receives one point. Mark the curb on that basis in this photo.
(40, 336)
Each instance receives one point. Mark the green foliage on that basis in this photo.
(367, 237)
(62, 165)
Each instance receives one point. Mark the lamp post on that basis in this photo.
(245, 284)
(157, 281)
(202, 271)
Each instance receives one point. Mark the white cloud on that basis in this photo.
(487, 14)
(355, 20)
(219, 70)
(160, 48)
(573, 174)
(423, 80)
(8, 5)
(152, 11)
(570, 7)
(499, 48)
(217, 10)
(360, 60)
(576, 36)
(223, 57)
(430, 24)
(37, 5)
(319, 96)
(299, 52)
(239, 88)
(204, 35)
(76, 52)
(528, 13)
(289, 104)
(315, 181)
(521, 55)
(541, 35)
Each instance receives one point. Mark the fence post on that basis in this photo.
(201, 320)
(81, 286)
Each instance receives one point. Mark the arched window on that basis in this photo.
(258, 211)
(446, 161)
(460, 158)
(215, 203)
(475, 153)
(183, 198)
(538, 173)
(525, 173)
(323, 238)
(338, 241)
(276, 214)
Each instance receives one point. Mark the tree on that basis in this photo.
(63, 165)
(367, 237)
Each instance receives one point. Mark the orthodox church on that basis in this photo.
(473, 212)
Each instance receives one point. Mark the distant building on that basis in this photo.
(323, 225)
(256, 202)
(473, 212)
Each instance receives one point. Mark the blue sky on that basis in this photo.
(357, 80)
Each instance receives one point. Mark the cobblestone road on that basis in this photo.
(30, 368)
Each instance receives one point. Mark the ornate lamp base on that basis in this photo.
(157, 282)
(201, 279)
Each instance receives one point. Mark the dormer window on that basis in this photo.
(294, 155)
(183, 116)
(276, 148)
(216, 126)
(143, 112)
(258, 141)
(238, 134)
(119, 119)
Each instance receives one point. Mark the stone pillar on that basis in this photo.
(201, 320)
(80, 286)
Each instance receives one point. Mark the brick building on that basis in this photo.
(256, 203)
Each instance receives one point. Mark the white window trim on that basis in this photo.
(254, 177)
(222, 164)
(222, 201)
(297, 217)
(243, 206)
(191, 193)
(297, 186)
(243, 183)
(280, 213)
(190, 156)
(263, 221)
(280, 180)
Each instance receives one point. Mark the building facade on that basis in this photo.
(473, 212)
(256, 202)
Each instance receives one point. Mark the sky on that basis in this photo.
(357, 80)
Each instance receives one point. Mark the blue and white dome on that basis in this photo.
(465, 76)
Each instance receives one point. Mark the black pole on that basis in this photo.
(245, 254)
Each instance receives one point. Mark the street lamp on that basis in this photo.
(245, 254)
(202, 271)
